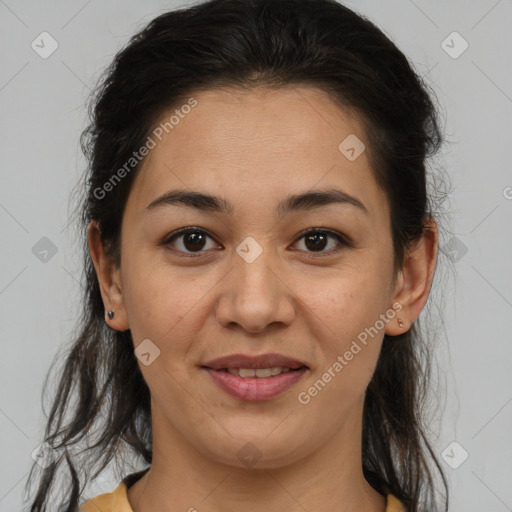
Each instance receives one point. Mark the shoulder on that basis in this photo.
(393, 504)
(115, 501)
(102, 502)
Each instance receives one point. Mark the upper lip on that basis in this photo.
(254, 362)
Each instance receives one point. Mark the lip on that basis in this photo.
(255, 362)
(255, 388)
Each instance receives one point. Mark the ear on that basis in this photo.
(415, 279)
(109, 278)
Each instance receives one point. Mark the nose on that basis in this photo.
(255, 295)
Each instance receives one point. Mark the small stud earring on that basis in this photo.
(400, 322)
(110, 314)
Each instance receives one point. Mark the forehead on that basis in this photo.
(245, 143)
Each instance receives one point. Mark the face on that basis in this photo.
(246, 279)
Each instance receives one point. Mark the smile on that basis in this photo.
(255, 384)
(261, 373)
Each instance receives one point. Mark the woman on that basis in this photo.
(259, 247)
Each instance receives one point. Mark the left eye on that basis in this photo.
(316, 239)
(194, 240)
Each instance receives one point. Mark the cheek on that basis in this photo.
(345, 300)
(157, 300)
(348, 345)
(346, 309)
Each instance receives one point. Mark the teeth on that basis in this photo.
(264, 372)
(261, 373)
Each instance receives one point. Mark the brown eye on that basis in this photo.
(316, 240)
(189, 240)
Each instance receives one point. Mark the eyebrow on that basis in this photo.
(298, 202)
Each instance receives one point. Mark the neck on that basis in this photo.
(330, 479)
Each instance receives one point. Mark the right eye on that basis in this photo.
(188, 240)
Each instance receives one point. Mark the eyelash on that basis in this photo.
(342, 240)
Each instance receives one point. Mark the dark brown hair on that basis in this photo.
(246, 43)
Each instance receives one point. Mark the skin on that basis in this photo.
(254, 148)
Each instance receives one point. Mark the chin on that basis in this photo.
(258, 451)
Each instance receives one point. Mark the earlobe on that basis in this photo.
(399, 323)
(415, 279)
(109, 280)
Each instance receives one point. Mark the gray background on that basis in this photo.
(42, 109)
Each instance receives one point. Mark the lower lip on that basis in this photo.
(254, 388)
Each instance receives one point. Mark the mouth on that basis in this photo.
(255, 378)
(255, 362)
(260, 373)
